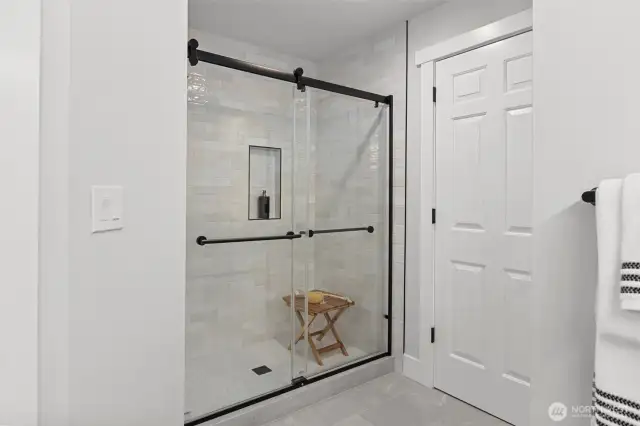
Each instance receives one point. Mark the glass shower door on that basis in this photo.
(242, 256)
(344, 252)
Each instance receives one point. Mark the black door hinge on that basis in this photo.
(434, 94)
(433, 215)
(433, 334)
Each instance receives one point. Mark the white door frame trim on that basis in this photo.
(496, 31)
(421, 181)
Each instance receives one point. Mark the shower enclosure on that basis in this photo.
(288, 227)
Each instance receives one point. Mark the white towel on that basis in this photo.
(617, 370)
(630, 276)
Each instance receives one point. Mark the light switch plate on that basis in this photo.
(107, 208)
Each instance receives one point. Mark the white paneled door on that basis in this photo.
(484, 154)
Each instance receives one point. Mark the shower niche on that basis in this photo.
(265, 182)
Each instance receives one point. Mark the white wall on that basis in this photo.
(439, 24)
(19, 150)
(54, 215)
(118, 95)
(586, 129)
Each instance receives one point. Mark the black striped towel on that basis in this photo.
(630, 245)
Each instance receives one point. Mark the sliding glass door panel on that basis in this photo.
(349, 233)
(240, 247)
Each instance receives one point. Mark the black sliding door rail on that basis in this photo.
(203, 241)
(313, 232)
(195, 55)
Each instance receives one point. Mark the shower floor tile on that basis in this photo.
(227, 377)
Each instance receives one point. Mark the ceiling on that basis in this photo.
(309, 29)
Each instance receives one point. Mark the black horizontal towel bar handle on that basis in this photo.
(312, 232)
(203, 241)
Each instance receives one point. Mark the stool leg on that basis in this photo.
(330, 322)
(315, 352)
(332, 327)
(304, 327)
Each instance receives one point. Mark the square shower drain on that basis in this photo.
(263, 369)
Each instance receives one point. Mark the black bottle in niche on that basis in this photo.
(263, 205)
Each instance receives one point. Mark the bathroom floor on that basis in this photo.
(391, 400)
(227, 377)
